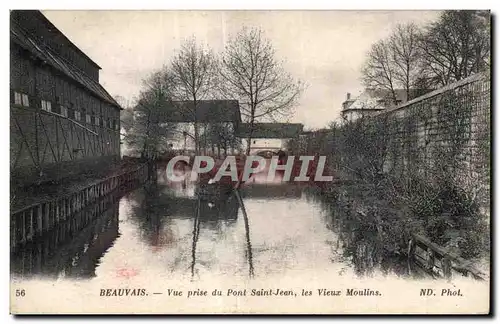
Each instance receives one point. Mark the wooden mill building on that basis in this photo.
(62, 121)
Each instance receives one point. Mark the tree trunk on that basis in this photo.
(394, 97)
(195, 118)
(205, 139)
(249, 139)
(196, 146)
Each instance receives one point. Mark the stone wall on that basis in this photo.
(445, 133)
(448, 128)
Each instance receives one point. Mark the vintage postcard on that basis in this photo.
(250, 162)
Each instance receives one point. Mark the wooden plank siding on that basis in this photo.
(39, 139)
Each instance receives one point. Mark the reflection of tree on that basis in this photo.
(212, 212)
(221, 209)
(150, 214)
(154, 206)
(247, 234)
(361, 241)
(196, 234)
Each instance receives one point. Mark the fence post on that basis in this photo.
(446, 263)
(430, 259)
(411, 250)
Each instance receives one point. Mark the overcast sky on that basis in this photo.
(323, 48)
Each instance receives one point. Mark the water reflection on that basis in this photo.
(183, 230)
(358, 236)
(196, 233)
(72, 249)
(247, 233)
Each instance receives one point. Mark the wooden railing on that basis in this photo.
(437, 261)
(36, 219)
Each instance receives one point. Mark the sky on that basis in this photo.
(325, 49)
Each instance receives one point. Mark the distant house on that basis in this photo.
(372, 101)
(223, 112)
(268, 136)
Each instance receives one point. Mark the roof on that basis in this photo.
(270, 130)
(40, 16)
(38, 49)
(206, 111)
(318, 131)
(376, 99)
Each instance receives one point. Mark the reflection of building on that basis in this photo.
(70, 250)
(222, 207)
(372, 101)
(62, 119)
(268, 136)
(275, 192)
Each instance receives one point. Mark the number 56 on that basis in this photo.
(20, 293)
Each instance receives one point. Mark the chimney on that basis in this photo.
(348, 96)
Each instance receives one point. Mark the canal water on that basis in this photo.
(177, 231)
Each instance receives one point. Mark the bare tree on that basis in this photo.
(123, 102)
(193, 71)
(406, 55)
(220, 136)
(251, 73)
(394, 62)
(149, 133)
(379, 72)
(457, 45)
(126, 115)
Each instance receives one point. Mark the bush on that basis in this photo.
(449, 216)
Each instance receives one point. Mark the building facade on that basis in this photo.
(61, 119)
(268, 136)
(372, 101)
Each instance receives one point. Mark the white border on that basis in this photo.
(191, 4)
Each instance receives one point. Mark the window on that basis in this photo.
(17, 98)
(64, 111)
(77, 115)
(21, 99)
(26, 100)
(97, 120)
(46, 105)
(87, 118)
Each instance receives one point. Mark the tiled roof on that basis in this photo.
(23, 39)
(270, 130)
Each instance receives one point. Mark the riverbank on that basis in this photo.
(384, 215)
(22, 197)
